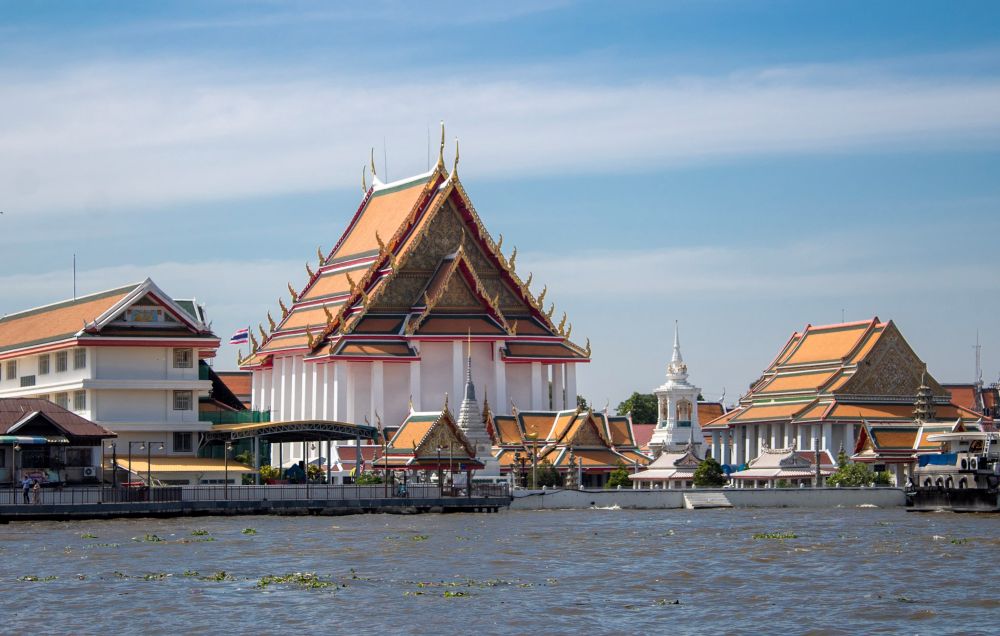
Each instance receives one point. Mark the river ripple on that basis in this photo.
(848, 571)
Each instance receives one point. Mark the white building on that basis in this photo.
(379, 328)
(126, 359)
(677, 407)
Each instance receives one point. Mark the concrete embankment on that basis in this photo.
(709, 498)
(266, 507)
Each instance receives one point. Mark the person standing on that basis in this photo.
(26, 488)
(36, 492)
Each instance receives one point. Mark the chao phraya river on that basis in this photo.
(847, 571)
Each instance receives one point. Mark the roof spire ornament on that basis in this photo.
(381, 243)
(295, 295)
(310, 340)
(562, 323)
(350, 282)
(270, 321)
(513, 257)
(440, 161)
(541, 296)
(263, 334)
(454, 168)
(374, 174)
(329, 316)
(410, 403)
(527, 283)
(309, 271)
(677, 370)
(499, 241)
(569, 330)
(587, 348)
(253, 344)
(552, 310)
(364, 183)
(284, 309)
(319, 255)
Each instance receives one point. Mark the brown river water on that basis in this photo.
(847, 571)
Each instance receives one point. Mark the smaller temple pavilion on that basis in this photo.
(587, 444)
(896, 446)
(672, 469)
(427, 444)
(784, 467)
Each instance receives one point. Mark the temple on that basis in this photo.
(377, 330)
(677, 407)
(825, 384)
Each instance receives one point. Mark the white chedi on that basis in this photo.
(677, 407)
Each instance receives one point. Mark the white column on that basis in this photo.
(324, 394)
(294, 400)
(849, 439)
(415, 384)
(571, 386)
(828, 438)
(286, 389)
(350, 410)
(377, 392)
(716, 450)
(256, 379)
(788, 428)
(457, 375)
(536, 386)
(308, 390)
(500, 377)
(775, 435)
(337, 405)
(558, 387)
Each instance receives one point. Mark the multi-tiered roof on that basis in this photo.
(415, 262)
(844, 372)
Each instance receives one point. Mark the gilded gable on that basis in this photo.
(891, 368)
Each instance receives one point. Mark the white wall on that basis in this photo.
(397, 393)
(435, 374)
(518, 388)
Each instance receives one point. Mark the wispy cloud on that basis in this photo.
(153, 134)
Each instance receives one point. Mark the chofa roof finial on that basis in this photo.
(454, 168)
(374, 174)
(440, 161)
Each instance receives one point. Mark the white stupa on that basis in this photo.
(677, 408)
(470, 420)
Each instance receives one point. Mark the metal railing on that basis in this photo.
(222, 492)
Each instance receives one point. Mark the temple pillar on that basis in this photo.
(849, 439)
(571, 386)
(500, 377)
(377, 407)
(775, 435)
(716, 446)
(308, 384)
(415, 384)
(256, 390)
(747, 441)
(558, 387)
(828, 438)
(324, 395)
(337, 403)
(537, 396)
(286, 389)
(350, 408)
(295, 387)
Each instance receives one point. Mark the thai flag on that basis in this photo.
(240, 337)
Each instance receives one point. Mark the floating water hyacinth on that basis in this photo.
(775, 535)
(249, 531)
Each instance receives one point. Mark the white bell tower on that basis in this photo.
(677, 408)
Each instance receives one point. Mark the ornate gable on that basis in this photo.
(891, 368)
(445, 435)
(586, 434)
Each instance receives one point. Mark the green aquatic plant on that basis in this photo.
(775, 535)
(308, 580)
(663, 601)
(199, 533)
(221, 575)
(249, 531)
(88, 535)
(191, 573)
(455, 594)
(419, 537)
(959, 541)
(36, 579)
(155, 576)
(149, 538)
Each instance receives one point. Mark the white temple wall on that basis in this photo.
(435, 374)
(518, 387)
(360, 387)
(482, 372)
(396, 395)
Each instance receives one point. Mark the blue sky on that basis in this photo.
(745, 168)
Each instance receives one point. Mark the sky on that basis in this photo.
(742, 168)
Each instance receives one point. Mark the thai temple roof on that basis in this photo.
(415, 262)
(849, 371)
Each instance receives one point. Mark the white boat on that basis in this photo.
(963, 477)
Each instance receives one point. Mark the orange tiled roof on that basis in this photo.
(621, 434)
(963, 395)
(58, 321)
(375, 349)
(770, 411)
(384, 213)
(833, 342)
(797, 381)
(540, 350)
(508, 430)
(443, 324)
(237, 381)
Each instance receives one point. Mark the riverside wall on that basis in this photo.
(736, 497)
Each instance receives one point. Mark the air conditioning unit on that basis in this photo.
(89, 471)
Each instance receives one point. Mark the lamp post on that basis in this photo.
(225, 482)
(440, 475)
(142, 446)
(13, 471)
(517, 468)
(114, 465)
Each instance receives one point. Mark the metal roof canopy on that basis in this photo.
(297, 431)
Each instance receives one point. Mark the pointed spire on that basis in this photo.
(454, 168)
(374, 174)
(677, 370)
(677, 344)
(440, 161)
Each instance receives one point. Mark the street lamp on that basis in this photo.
(13, 472)
(114, 465)
(440, 475)
(225, 482)
(516, 468)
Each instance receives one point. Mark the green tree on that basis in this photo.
(643, 407)
(709, 474)
(368, 478)
(619, 477)
(851, 475)
(548, 475)
(581, 402)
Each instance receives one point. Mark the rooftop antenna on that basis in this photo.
(843, 313)
(979, 365)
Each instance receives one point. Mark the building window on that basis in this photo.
(183, 358)
(62, 400)
(182, 400)
(62, 363)
(12, 369)
(79, 457)
(182, 442)
(27, 380)
(79, 358)
(43, 364)
(80, 401)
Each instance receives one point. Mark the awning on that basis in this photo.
(182, 465)
(32, 439)
(294, 431)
